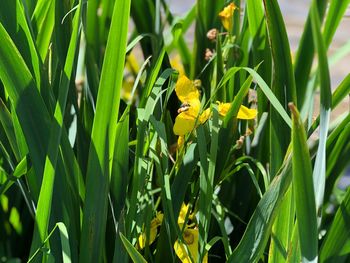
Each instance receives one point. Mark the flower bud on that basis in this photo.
(212, 33)
(208, 54)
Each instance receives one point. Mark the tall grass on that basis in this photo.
(93, 170)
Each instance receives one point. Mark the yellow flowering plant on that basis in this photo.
(187, 249)
(190, 111)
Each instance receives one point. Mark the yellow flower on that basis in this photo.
(226, 16)
(189, 117)
(155, 223)
(244, 113)
(188, 94)
(190, 237)
(183, 213)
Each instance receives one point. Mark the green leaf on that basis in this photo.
(338, 234)
(260, 46)
(303, 190)
(120, 169)
(133, 253)
(104, 131)
(64, 242)
(335, 13)
(183, 176)
(43, 21)
(13, 18)
(319, 173)
(206, 180)
(305, 56)
(341, 92)
(271, 97)
(20, 170)
(30, 108)
(6, 121)
(46, 191)
(66, 255)
(252, 245)
(283, 82)
(282, 229)
(152, 78)
(293, 253)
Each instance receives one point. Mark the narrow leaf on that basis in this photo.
(303, 190)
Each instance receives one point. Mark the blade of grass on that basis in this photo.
(133, 253)
(319, 173)
(338, 234)
(263, 86)
(260, 47)
(293, 253)
(183, 177)
(336, 11)
(107, 107)
(283, 82)
(12, 17)
(43, 20)
(120, 168)
(6, 121)
(252, 245)
(163, 176)
(282, 229)
(141, 163)
(335, 153)
(152, 78)
(305, 55)
(206, 180)
(303, 190)
(46, 191)
(23, 92)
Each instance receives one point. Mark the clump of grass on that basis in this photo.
(113, 150)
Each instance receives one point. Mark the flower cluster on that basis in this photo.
(190, 236)
(189, 116)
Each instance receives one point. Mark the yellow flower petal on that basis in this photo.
(185, 90)
(183, 213)
(223, 108)
(226, 16)
(152, 237)
(190, 236)
(184, 123)
(155, 223)
(175, 63)
(205, 116)
(245, 113)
